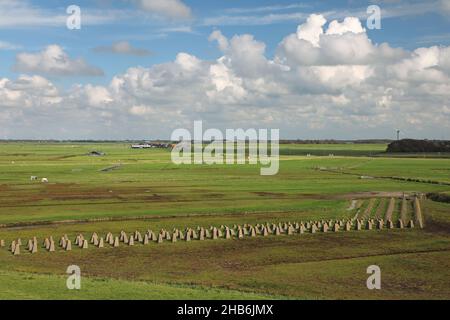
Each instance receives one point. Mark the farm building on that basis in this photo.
(151, 145)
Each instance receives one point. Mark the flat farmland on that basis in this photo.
(136, 190)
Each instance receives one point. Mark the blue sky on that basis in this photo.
(160, 32)
(162, 38)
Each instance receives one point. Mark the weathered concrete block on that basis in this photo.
(51, 248)
(389, 224)
(227, 233)
(68, 246)
(215, 233)
(348, 226)
(277, 231)
(47, 243)
(34, 247)
(265, 231)
(336, 227)
(380, 224)
(94, 238)
(16, 251)
(146, 239)
(151, 235)
(240, 233)
(290, 230)
(301, 229)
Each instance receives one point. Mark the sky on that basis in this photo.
(139, 69)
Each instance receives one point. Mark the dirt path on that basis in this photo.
(390, 209)
(369, 208)
(418, 213)
(381, 208)
(404, 210)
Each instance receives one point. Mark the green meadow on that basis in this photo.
(142, 189)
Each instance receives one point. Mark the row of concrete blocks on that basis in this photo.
(201, 233)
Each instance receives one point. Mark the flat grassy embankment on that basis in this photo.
(148, 184)
(414, 263)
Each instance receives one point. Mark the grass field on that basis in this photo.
(141, 189)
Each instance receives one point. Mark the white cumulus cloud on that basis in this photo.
(324, 81)
(53, 60)
(168, 8)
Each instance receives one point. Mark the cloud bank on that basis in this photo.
(53, 60)
(326, 80)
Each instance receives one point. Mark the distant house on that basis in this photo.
(151, 145)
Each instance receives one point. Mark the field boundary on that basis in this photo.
(386, 177)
